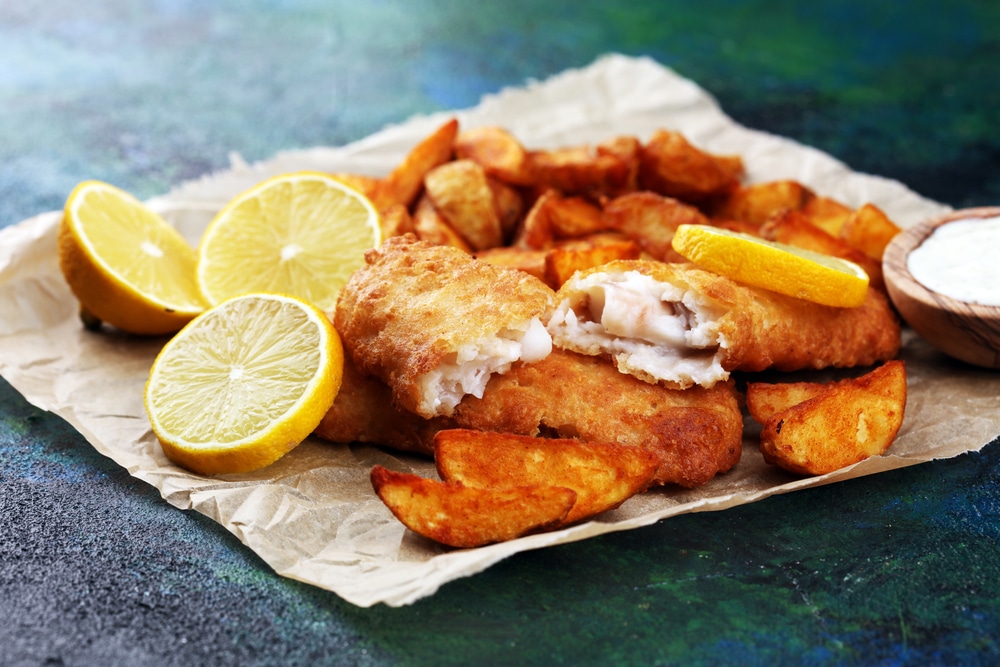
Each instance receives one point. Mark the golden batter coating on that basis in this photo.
(681, 325)
(694, 433)
(434, 323)
(364, 412)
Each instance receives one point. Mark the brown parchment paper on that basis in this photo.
(313, 516)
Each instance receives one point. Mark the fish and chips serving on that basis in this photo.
(558, 329)
(542, 319)
(532, 306)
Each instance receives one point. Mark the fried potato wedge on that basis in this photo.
(869, 230)
(405, 182)
(466, 517)
(509, 205)
(826, 213)
(603, 475)
(629, 151)
(755, 204)
(562, 262)
(396, 221)
(765, 399)
(524, 259)
(463, 197)
(500, 154)
(650, 220)
(579, 170)
(431, 226)
(573, 217)
(535, 230)
(848, 422)
(671, 166)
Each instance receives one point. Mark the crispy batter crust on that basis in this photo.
(694, 433)
(364, 412)
(413, 304)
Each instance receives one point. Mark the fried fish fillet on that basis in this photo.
(680, 325)
(363, 411)
(694, 433)
(434, 323)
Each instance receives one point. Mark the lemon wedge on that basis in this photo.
(774, 266)
(125, 264)
(244, 383)
(301, 234)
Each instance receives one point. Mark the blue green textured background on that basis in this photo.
(95, 569)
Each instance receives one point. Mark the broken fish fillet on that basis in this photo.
(694, 433)
(683, 326)
(434, 323)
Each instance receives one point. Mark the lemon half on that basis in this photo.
(301, 234)
(124, 263)
(244, 383)
(774, 266)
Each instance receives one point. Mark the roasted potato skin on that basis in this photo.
(465, 517)
(603, 475)
(847, 422)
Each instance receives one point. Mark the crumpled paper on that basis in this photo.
(312, 516)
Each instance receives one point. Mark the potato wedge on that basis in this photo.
(869, 230)
(651, 220)
(671, 166)
(765, 399)
(405, 182)
(465, 517)
(603, 475)
(463, 197)
(396, 221)
(579, 170)
(535, 230)
(509, 204)
(755, 204)
(826, 213)
(629, 151)
(524, 259)
(849, 422)
(573, 217)
(431, 226)
(499, 153)
(562, 262)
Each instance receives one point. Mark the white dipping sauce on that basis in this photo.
(961, 259)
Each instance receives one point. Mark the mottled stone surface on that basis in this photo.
(95, 569)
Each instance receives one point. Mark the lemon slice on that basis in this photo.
(125, 264)
(244, 383)
(301, 234)
(777, 267)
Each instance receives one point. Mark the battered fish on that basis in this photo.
(694, 433)
(364, 412)
(683, 326)
(434, 323)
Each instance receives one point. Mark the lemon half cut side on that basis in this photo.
(244, 383)
(124, 263)
(778, 267)
(301, 234)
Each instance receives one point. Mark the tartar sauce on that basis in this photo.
(961, 259)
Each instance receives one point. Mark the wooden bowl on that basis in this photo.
(965, 331)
